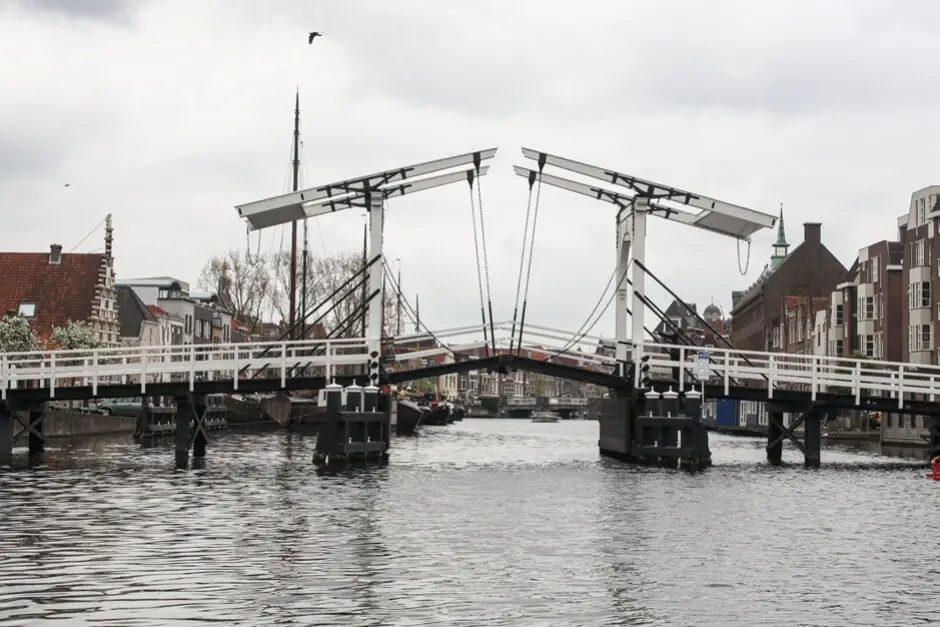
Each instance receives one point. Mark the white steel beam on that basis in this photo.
(350, 193)
(715, 215)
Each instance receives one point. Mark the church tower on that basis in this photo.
(780, 246)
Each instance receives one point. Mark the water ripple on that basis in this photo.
(479, 523)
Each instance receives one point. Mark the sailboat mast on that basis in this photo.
(293, 225)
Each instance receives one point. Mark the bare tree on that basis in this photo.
(324, 276)
(241, 281)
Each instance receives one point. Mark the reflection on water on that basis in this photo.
(486, 522)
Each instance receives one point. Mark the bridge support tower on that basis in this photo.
(811, 421)
(653, 428)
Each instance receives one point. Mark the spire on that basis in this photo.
(781, 231)
(781, 246)
(108, 238)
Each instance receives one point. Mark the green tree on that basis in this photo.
(16, 335)
(74, 335)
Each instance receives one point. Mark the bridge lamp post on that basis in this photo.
(639, 199)
(367, 193)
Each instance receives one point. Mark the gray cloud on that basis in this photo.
(186, 112)
(106, 10)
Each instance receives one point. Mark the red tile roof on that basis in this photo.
(62, 292)
(157, 310)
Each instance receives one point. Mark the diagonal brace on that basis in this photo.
(199, 423)
(28, 424)
(787, 432)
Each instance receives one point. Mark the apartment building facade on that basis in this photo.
(917, 231)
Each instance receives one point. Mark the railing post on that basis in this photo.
(933, 388)
(94, 372)
(727, 372)
(814, 378)
(900, 386)
(283, 365)
(857, 382)
(4, 376)
(192, 367)
(772, 379)
(124, 370)
(235, 373)
(143, 369)
(682, 357)
(52, 374)
(328, 372)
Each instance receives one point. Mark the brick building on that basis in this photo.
(864, 316)
(809, 271)
(920, 248)
(51, 288)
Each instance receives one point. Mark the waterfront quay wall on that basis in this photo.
(59, 423)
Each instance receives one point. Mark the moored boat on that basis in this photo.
(544, 416)
(409, 418)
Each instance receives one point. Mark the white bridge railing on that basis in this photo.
(285, 360)
(196, 362)
(786, 371)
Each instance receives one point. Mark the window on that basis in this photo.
(27, 310)
(918, 295)
(869, 345)
(918, 257)
(920, 337)
(163, 293)
(839, 314)
(866, 308)
(874, 269)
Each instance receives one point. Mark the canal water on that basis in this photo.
(485, 522)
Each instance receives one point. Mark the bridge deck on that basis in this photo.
(283, 365)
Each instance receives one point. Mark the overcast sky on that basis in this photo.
(168, 113)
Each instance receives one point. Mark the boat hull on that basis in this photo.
(409, 418)
(438, 416)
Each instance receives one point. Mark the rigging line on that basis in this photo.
(590, 315)
(477, 160)
(476, 249)
(316, 223)
(747, 261)
(81, 241)
(522, 249)
(414, 315)
(600, 315)
(528, 275)
(407, 309)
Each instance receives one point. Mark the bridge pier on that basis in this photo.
(356, 430)
(811, 446)
(775, 434)
(190, 429)
(933, 438)
(34, 426)
(7, 421)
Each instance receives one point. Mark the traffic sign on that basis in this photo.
(702, 366)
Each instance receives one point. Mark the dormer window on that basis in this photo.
(27, 310)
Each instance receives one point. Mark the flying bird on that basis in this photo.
(68, 184)
(313, 36)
